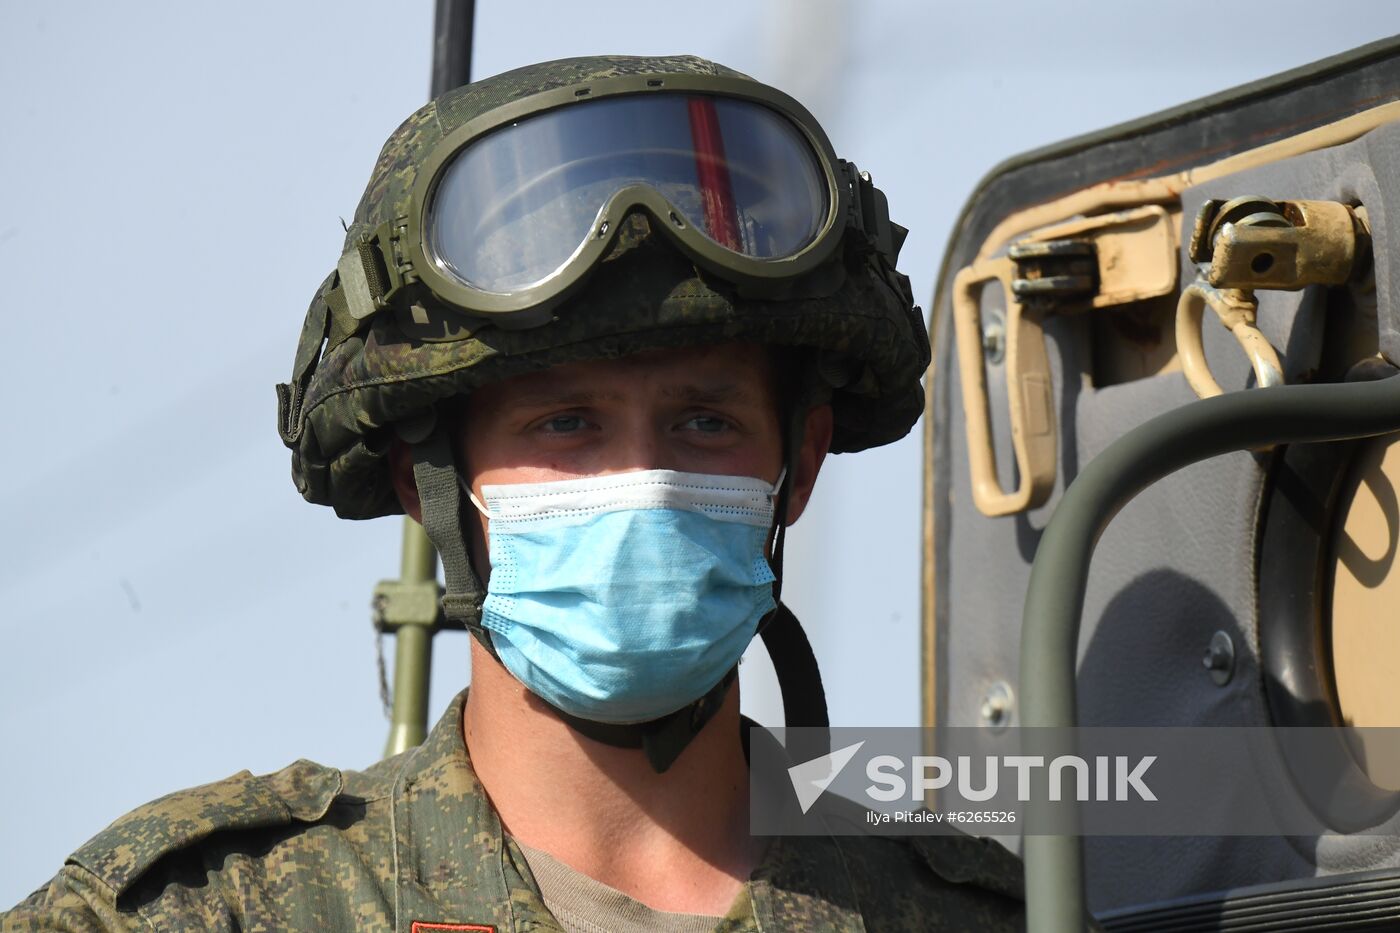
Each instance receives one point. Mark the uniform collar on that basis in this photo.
(448, 847)
(453, 866)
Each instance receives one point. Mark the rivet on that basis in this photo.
(994, 337)
(995, 711)
(1219, 658)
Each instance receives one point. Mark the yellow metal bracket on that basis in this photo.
(1028, 392)
(1249, 243)
(1088, 263)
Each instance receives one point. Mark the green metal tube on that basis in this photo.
(453, 22)
(1055, 598)
(413, 648)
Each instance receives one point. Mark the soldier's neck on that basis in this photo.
(677, 841)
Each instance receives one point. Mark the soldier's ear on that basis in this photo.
(401, 474)
(807, 463)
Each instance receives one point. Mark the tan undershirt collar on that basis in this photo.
(584, 905)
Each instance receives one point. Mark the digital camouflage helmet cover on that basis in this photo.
(853, 311)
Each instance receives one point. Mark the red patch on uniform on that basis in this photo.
(421, 926)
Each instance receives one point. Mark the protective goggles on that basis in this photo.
(512, 210)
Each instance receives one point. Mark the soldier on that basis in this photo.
(597, 324)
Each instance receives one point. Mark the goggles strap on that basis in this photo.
(341, 324)
(870, 214)
(361, 286)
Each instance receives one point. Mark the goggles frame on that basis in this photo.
(396, 256)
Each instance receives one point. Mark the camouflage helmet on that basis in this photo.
(853, 316)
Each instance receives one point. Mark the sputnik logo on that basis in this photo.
(811, 778)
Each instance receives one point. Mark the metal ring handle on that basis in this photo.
(1237, 313)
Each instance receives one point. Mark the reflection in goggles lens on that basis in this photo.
(513, 207)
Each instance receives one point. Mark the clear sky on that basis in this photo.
(170, 610)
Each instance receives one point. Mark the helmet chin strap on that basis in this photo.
(794, 663)
(662, 739)
(440, 501)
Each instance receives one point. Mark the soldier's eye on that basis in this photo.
(707, 424)
(564, 424)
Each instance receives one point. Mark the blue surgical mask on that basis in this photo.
(622, 598)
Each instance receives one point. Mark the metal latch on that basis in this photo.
(1249, 243)
(1055, 271)
(1089, 263)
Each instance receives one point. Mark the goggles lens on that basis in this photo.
(515, 205)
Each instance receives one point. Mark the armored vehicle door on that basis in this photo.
(1084, 293)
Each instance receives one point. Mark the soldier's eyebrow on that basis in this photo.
(719, 394)
(565, 397)
(559, 398)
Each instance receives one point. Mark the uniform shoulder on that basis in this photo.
(247, 851)
(896, 883)
(88, 892)
(953, 859)
(952, 856)
(124, 851)
(964, 859)
(945, 882)
(949, 881)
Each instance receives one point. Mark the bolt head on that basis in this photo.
(1219, 658)
(995, 708)
(994, 341)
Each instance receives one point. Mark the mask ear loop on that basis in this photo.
(466, 488)
(780, 509)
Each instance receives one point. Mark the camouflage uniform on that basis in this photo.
(412, 842)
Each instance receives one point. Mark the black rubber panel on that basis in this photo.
(1364, 901)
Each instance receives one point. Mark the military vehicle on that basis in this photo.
(1085, 399)
(1237, 482)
